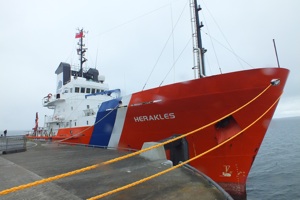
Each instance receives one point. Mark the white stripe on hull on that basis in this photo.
(119, 123)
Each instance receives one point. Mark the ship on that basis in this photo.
(237, 106)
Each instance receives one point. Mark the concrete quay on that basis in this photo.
(43, 160)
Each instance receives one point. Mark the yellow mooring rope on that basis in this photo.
(180, 164)
(60, 176)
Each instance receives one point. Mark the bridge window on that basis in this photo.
(82, 90)
(93, 90)
(88, 90)
(76, 89)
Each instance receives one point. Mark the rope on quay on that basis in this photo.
(180, 164)
(71, 173)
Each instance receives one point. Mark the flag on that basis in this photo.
(79, 35)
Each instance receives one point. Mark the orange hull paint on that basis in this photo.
(200, 102)
(159, 113)
(75, 135)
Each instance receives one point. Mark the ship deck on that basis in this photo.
(43, 160)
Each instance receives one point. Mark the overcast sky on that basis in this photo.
(125, 39)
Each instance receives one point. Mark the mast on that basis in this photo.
(81, 50)
(198, 50)
(276, 53)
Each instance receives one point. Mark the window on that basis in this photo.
(82, 90)
(88, 106)
(98, 90)
(88, 90)
(93, 90)
(76, 89)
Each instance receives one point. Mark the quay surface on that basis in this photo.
(43, 160)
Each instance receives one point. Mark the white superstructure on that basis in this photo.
(77, 99)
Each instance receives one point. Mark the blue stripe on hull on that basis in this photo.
(104, 123)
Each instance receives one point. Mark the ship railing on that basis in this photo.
(11, 144)
(43, 132)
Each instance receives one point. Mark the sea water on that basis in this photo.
(275, 173)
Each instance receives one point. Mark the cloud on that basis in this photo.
(37, 35)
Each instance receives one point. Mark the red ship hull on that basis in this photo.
(176, 109)
(200, 102)
(76, 135)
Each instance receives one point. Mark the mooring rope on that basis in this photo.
(60, 176)
(182, 163)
